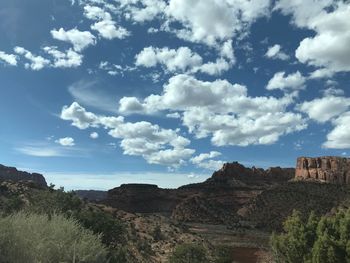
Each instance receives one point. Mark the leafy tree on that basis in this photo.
(324, 240)
(189, 253)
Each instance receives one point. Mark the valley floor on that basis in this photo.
(248, 246)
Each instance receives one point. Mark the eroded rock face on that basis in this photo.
(237, 171)
(329, 169)
(11, 173)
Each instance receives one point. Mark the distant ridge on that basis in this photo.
(11, 173)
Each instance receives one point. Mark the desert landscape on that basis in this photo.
(235, 210)
(175, 131)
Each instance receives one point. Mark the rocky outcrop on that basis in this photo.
(239, 172)
(329, 169)
(12, 174)
(142, 198)
(214, 201)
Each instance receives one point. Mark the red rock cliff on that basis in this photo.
(325, 169)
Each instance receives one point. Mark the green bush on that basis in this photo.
(52, 201)
(12, 204)
(318, 240)
(112, 230)
(33, 238)
(189, 253)
(223, 254)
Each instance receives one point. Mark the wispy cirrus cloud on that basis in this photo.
(89, 93)
(47, 149)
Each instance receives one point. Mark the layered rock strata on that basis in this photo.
(329, 169)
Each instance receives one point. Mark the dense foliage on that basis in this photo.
(316, 240)
(189, 253)
(40, 238)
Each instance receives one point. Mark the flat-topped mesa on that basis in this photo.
(329, 169)
(11, 173)
(141, 198)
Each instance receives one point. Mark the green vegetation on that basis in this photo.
(316, 240)
(57, 201)
(189, 253)
(40, 238)
(223, 254)
(48, 203)
(271, 208)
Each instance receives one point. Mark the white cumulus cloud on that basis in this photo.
(68, 59)
(10, 59)
(66, 141)
(329, 47)
(205, 160)
(79, 39)
(94, 135)
(221, 110)
(155, 144)
(173, 59)
(105, 25)
(339, 137)
(275, 52)
(280, 80)
(36, 62)
(326, 108)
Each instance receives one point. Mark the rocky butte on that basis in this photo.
(11, 173)
(329, 169)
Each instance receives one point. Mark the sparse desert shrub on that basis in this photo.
(33, 238)
(118, 256)
(145, 247)
(189, 253)
(12, 204)
(324, 240)
(157, 233)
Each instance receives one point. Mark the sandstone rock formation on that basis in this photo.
(237, 171)
(214, 201)
(329, 169)
(11, 173)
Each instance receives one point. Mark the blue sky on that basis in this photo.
(95, 93)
